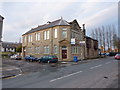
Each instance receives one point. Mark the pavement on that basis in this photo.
(97, 73)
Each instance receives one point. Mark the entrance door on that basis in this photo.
(64, 54)
(24, 52)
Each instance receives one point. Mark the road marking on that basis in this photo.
(13, 76)
(65, 76)
(107, 62)
(95, 66)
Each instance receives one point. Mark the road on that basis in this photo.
(99, 73)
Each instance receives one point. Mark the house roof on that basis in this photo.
(10, 44)
(58, 22)
(1, 17)
(87, 37)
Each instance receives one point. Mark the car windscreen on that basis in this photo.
(117, 54)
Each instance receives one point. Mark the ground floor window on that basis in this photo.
(55, 49)
(75, 49)
(37, 50)
(46, 50)
(29, 49)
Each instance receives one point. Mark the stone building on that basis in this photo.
(91, 48)
(59, 37)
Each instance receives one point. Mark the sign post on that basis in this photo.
(82, 43)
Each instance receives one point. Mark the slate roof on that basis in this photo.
(10, 44)
(87, 37)
(1, 17)
(58, 22)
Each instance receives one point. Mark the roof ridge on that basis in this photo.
(49, 25)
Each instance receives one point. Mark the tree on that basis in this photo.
(19, 49)
(105, 36)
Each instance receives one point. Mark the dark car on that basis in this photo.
(31, 58)
(49, 59)
(117, 56)
(112, 53)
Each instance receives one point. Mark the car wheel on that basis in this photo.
(39, 61)
(48, 61)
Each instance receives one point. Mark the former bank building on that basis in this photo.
(60, 38)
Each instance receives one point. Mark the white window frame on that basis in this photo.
(38, 36)
(64, 36)
(48, 34)
(55, 49)
(55, 33)
(46, 49)
(44, 35)
(35, 36)
(64, 29)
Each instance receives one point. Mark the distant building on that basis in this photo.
(60, 38)
(91, 48)
(9, 46)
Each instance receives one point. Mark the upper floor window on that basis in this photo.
(24, 39)
(37, 36)
(46, 35)
(55, 33)
(29, 38)
(64, 28)
(64, 34)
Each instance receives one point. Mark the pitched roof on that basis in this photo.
(10, 44)
(1, 17)
(58, 22)
(87, 37)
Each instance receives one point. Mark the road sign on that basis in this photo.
(82, 42)
(72, 40)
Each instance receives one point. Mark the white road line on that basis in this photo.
(65, 76)
(9, 69)
(95, 66)
(107, 62)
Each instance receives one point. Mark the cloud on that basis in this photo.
(102, 16)
(22, 16)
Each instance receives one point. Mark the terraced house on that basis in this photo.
(59, 37)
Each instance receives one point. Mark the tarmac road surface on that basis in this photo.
(100, 73)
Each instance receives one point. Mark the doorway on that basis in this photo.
(64, 52)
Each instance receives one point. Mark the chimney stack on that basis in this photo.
(84, 31)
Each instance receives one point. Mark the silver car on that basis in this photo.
(15, 57)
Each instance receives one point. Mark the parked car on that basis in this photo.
(49, 59)
(31, 58)
(16, 57)
(117, 56)
(112, 53)
(107, 54)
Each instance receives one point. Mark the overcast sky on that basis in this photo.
(26, 14)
